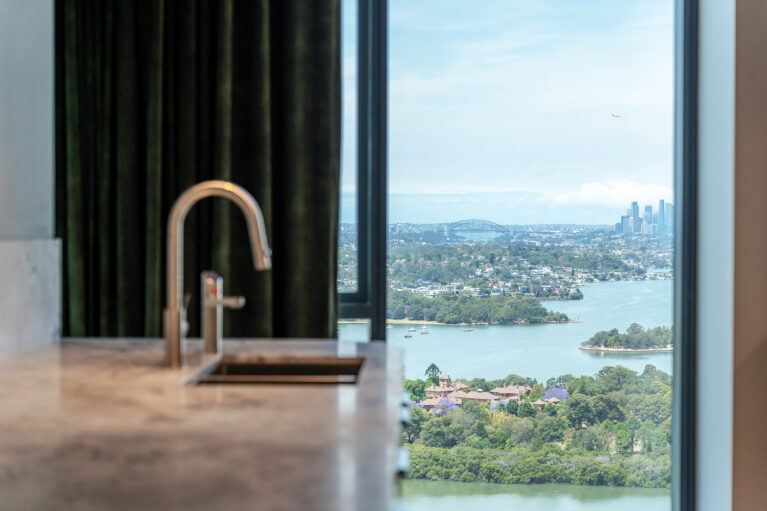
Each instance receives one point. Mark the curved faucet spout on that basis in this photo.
(175, 313)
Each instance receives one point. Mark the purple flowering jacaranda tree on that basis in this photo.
(556, 392)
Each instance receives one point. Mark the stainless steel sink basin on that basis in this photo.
(251, 369)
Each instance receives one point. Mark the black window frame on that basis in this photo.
(369, 301)
(684, 408)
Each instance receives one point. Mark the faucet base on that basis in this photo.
(174, 329)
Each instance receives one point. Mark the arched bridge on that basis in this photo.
(475, 225)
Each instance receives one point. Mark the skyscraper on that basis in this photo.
(661, 217)
(647, 215)
(669, 219)
(625, 224)
(635, 216)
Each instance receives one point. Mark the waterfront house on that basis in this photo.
(458, 396)
(445, 387)
(482, 397)
(511, 391)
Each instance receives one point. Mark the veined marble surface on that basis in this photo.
(100, 424)
(30, 294)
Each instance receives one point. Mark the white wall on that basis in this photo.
(26, 119)
(30, 259)
(715, 253)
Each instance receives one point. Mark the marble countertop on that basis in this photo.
(100, 424)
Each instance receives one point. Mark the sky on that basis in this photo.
(506, 109)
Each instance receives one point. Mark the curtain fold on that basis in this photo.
(153, 96)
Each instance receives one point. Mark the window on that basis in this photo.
(471, 273)
(368, 300)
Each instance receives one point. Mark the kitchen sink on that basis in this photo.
(253, 369)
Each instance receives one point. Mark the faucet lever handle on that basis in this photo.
(233, 302)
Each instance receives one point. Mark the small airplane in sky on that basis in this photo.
(615, 116)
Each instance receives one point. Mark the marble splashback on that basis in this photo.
(30, 294)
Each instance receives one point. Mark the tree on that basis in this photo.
(418, 418)
(444, 405)
(521, 430)
(508, 405)
(615, 378)
(432, 373)
(559, 382)
(416, 389)
(556, 392)
(624, 438)
(441, 432)
(579, 410)
(606, 407)
(415, 311)
(584, 385)
(525, 409)
(549, 429)
(475, 410)
(537, 392)
(586, 439)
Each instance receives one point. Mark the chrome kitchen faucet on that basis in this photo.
(174, 318)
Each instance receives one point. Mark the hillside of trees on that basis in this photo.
(443, 263)
(454, 309)
(613, 429)
(636, 337)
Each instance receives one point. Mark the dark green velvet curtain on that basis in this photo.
(153, 96)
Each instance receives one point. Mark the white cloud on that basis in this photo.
(616, 193)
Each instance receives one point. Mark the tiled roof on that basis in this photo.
(482, 396)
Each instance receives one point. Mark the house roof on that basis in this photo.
(440, 388)
(539, 402)
(512, 390)
(456, 395)
(480, 396)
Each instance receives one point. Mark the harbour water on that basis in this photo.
(540, 351)
(420, 495)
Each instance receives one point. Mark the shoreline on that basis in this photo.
(667, 348)
(425, 322)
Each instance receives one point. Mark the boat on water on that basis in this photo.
(468, 329)
(423, 328)
(424, 332)
(408, 336)
(411, 329)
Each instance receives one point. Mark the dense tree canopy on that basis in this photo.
(613, 428)
(636, 337)
(454, 309)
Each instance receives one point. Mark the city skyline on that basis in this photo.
(649, 222)
(644, 212)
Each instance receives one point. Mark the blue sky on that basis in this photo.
(502, 109)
